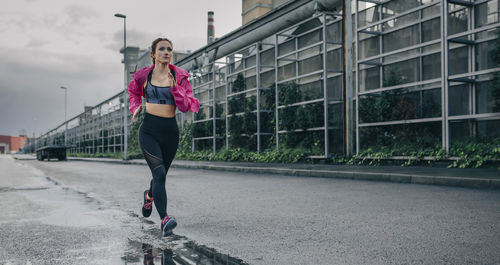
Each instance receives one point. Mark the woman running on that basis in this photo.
(165, 88)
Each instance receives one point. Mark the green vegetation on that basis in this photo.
(476, 152)
(116, 155)
(134, 150)
(238, 154)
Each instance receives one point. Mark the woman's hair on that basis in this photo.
(155, 43)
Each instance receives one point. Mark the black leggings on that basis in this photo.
(159, 138)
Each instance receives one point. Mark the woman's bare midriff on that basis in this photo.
(162, 110)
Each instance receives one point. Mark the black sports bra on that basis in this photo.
(158, 94)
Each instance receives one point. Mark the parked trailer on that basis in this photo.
(48, 152)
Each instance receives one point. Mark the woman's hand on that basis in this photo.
(136, 113)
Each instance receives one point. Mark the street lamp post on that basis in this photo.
(125, 101)
(65, 111)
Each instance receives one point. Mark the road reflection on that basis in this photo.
(178, 250)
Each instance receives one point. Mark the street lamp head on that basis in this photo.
(62, 87)
(120, 15)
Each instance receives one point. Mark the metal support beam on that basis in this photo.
(257, 75)
(325, 89)
(348, 89)
(444, 79)
(463, 41)
(462, 3)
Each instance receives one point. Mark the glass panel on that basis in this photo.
(334, 60)
(267, 57)
(402, 72)
(334, 32)
(458, 60)
(334, 86)
(400, 21)
(236, 83)
(307, 26)
(488, 96)
(488, 128)
(251, 82)
(267, 79)
(457, 21)
(434, 10)
(399, 104)
(268, 99)
(458, 100)
(430, 106)
(312, 90)
(310, 38)
(414, 136)
(288, 93)
(432, 48)
(431, 66)
(310, 65)
(250, 61)
(369, 79)
(369, 47)
(310, 141)
(267, 123)
(336, 140)
(287, 60)
(431, 30)
(401, 55)
(220, 92)
(485, 53)
(310, 52)
(310, 78)
(460, 131)
(395, 7)
(286, 47)
(369, 15)
(492, 33)
(335, 115)
(220, 113)
(401, 38)
(486, 13)
(301, 117)
(235, 64)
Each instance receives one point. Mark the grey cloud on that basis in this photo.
(36, 43)
(77, 14)
(17, 21)
(134, 38)
(32, 88)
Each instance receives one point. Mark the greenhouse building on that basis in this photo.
(336, 77)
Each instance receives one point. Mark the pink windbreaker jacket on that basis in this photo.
(182, 91)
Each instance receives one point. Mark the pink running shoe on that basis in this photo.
(167, 225)
(147, 207)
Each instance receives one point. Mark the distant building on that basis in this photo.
(253, 9)
(10, 144)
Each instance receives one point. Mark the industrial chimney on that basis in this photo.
(210, 28)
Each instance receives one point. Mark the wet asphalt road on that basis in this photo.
(88, 213)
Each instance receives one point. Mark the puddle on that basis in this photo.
(178, 250)
(67, 208)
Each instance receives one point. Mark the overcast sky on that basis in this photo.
(46, 44)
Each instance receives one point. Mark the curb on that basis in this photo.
(480, 183)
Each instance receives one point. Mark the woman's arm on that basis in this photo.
(183, 95)
(134, 96)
